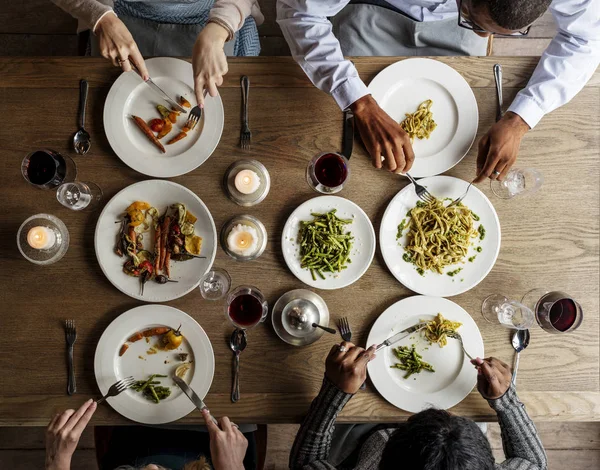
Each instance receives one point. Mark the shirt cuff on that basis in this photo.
(529, 110)
(223, 24)
(507, 401)
(349, 91)
(102, 16)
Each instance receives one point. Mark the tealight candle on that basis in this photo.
(243, 240)
(247, 181)
(41, 238)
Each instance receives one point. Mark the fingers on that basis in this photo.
(503, 172)
(210, 425)
(212, 89)
(124, 61)
(53, 421)
(75, 417)
(353, 354)
(85, 419)
(136, 57)
(489, 374)
(376, 156)
(482, 154)
(199, 90)
(390, 158)
(225, 424)
(62, 419)
(409, 155)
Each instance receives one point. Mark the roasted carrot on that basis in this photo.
(146, 130)
(159, 330)
(177, 138)
(173, 117)
(135, 337)
(123, 349)
(183, 102)
(164, 239)
(185, 129)
(133, 238)
(166, 129)
(157, 239)
(168, 264)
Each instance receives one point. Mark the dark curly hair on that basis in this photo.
(513, 14)
(436, 440)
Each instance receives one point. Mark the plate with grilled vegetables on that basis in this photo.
(155, 240)
(427, 367)
(328, 242)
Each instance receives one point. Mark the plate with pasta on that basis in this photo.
(426, 368)
(435, 105)
(440, 249)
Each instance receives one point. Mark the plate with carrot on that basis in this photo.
(154, 240)
(151, 137)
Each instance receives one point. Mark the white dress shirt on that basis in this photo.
(567, 64)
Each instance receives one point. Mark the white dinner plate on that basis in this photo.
(130, 95)
(432, 283)
(362, 251)
(402, 86)
(109, 367)
(454, 375)
(160, 194)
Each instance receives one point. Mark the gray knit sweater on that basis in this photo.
(522, 446)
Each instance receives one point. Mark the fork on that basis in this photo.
(344, 328)
(117, 388)
(195, 115)
(422, 193)
(459, 338)
(71, 337)
(459, 199)
(245, 135)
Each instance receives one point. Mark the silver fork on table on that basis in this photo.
(457, 336)
(245, 135)
(117, 388)
(195, 115)
(421, 191)
(344, 328)
(71, 337)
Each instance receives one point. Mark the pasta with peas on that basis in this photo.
(419, 124)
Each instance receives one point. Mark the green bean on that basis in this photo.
(410, 361)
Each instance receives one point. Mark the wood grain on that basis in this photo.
(547, 241)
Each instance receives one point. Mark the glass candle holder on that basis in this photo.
(43, 239)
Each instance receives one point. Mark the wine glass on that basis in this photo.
(215, 284)
(79, 195)
(327, 172)
(47, 169)
(500, 309)
(517, 181)
(555, 312)
(246, 307)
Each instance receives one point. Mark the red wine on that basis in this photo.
(43, 168)
(563, 314)
(331, 170)
(245, 310)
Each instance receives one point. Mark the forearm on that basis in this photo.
(567, 64)
(309, 33)
(520, 439)
(231, 14)
(313, 441)
(88, 12)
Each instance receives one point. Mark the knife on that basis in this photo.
(160, 91)
(401, 335)
(193, 396)
(348, 134)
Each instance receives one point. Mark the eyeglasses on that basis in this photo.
(468, 24)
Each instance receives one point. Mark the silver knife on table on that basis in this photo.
(193, 396)
(160, 91)
(400, 335)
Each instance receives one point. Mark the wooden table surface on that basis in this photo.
(550, 239)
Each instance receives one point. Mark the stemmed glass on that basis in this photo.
(215, 284)
(79, 195)
(246, 307)
(555, 312)
(501, 310)
(327, 172)
(517, 181)
(47, 169)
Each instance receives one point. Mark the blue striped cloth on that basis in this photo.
(189, 12)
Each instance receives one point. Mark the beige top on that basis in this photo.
(230, 14)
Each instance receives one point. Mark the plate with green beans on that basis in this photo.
(328, 242)
(144, 343)
(414, 374)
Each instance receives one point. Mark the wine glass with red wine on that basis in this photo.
(48, 169)
(327, 172)
(246, 307)
(555, 312)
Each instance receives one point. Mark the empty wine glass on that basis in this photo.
(499, 309)
(215, 284)
(79, 195)
(517, 181)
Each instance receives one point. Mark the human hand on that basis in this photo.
(493, 377)
(117, 45)
(346, 366)
(63, 434)
(382, 136)
(209, 61)
(227, 444)
(498, 149)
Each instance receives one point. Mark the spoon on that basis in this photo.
(325, 328)
(82, 141)
(237, 343)
(520, 341)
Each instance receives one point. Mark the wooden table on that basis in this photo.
(550, 239)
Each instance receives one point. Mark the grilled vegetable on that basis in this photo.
(166, 129)
(410, 361)
(156, 124)
(177, 138)
(148, 132)
(163, 110)
(159, 330)
(183, 102)
(173, 338)
(124, 348)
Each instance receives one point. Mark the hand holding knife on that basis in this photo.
(400, 335)
(174, 105)
(193, 396)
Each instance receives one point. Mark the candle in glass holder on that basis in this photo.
(247, 181)
(243, 240)
(41, 238)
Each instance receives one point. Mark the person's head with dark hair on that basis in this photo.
(502, 16)
(436, 440)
